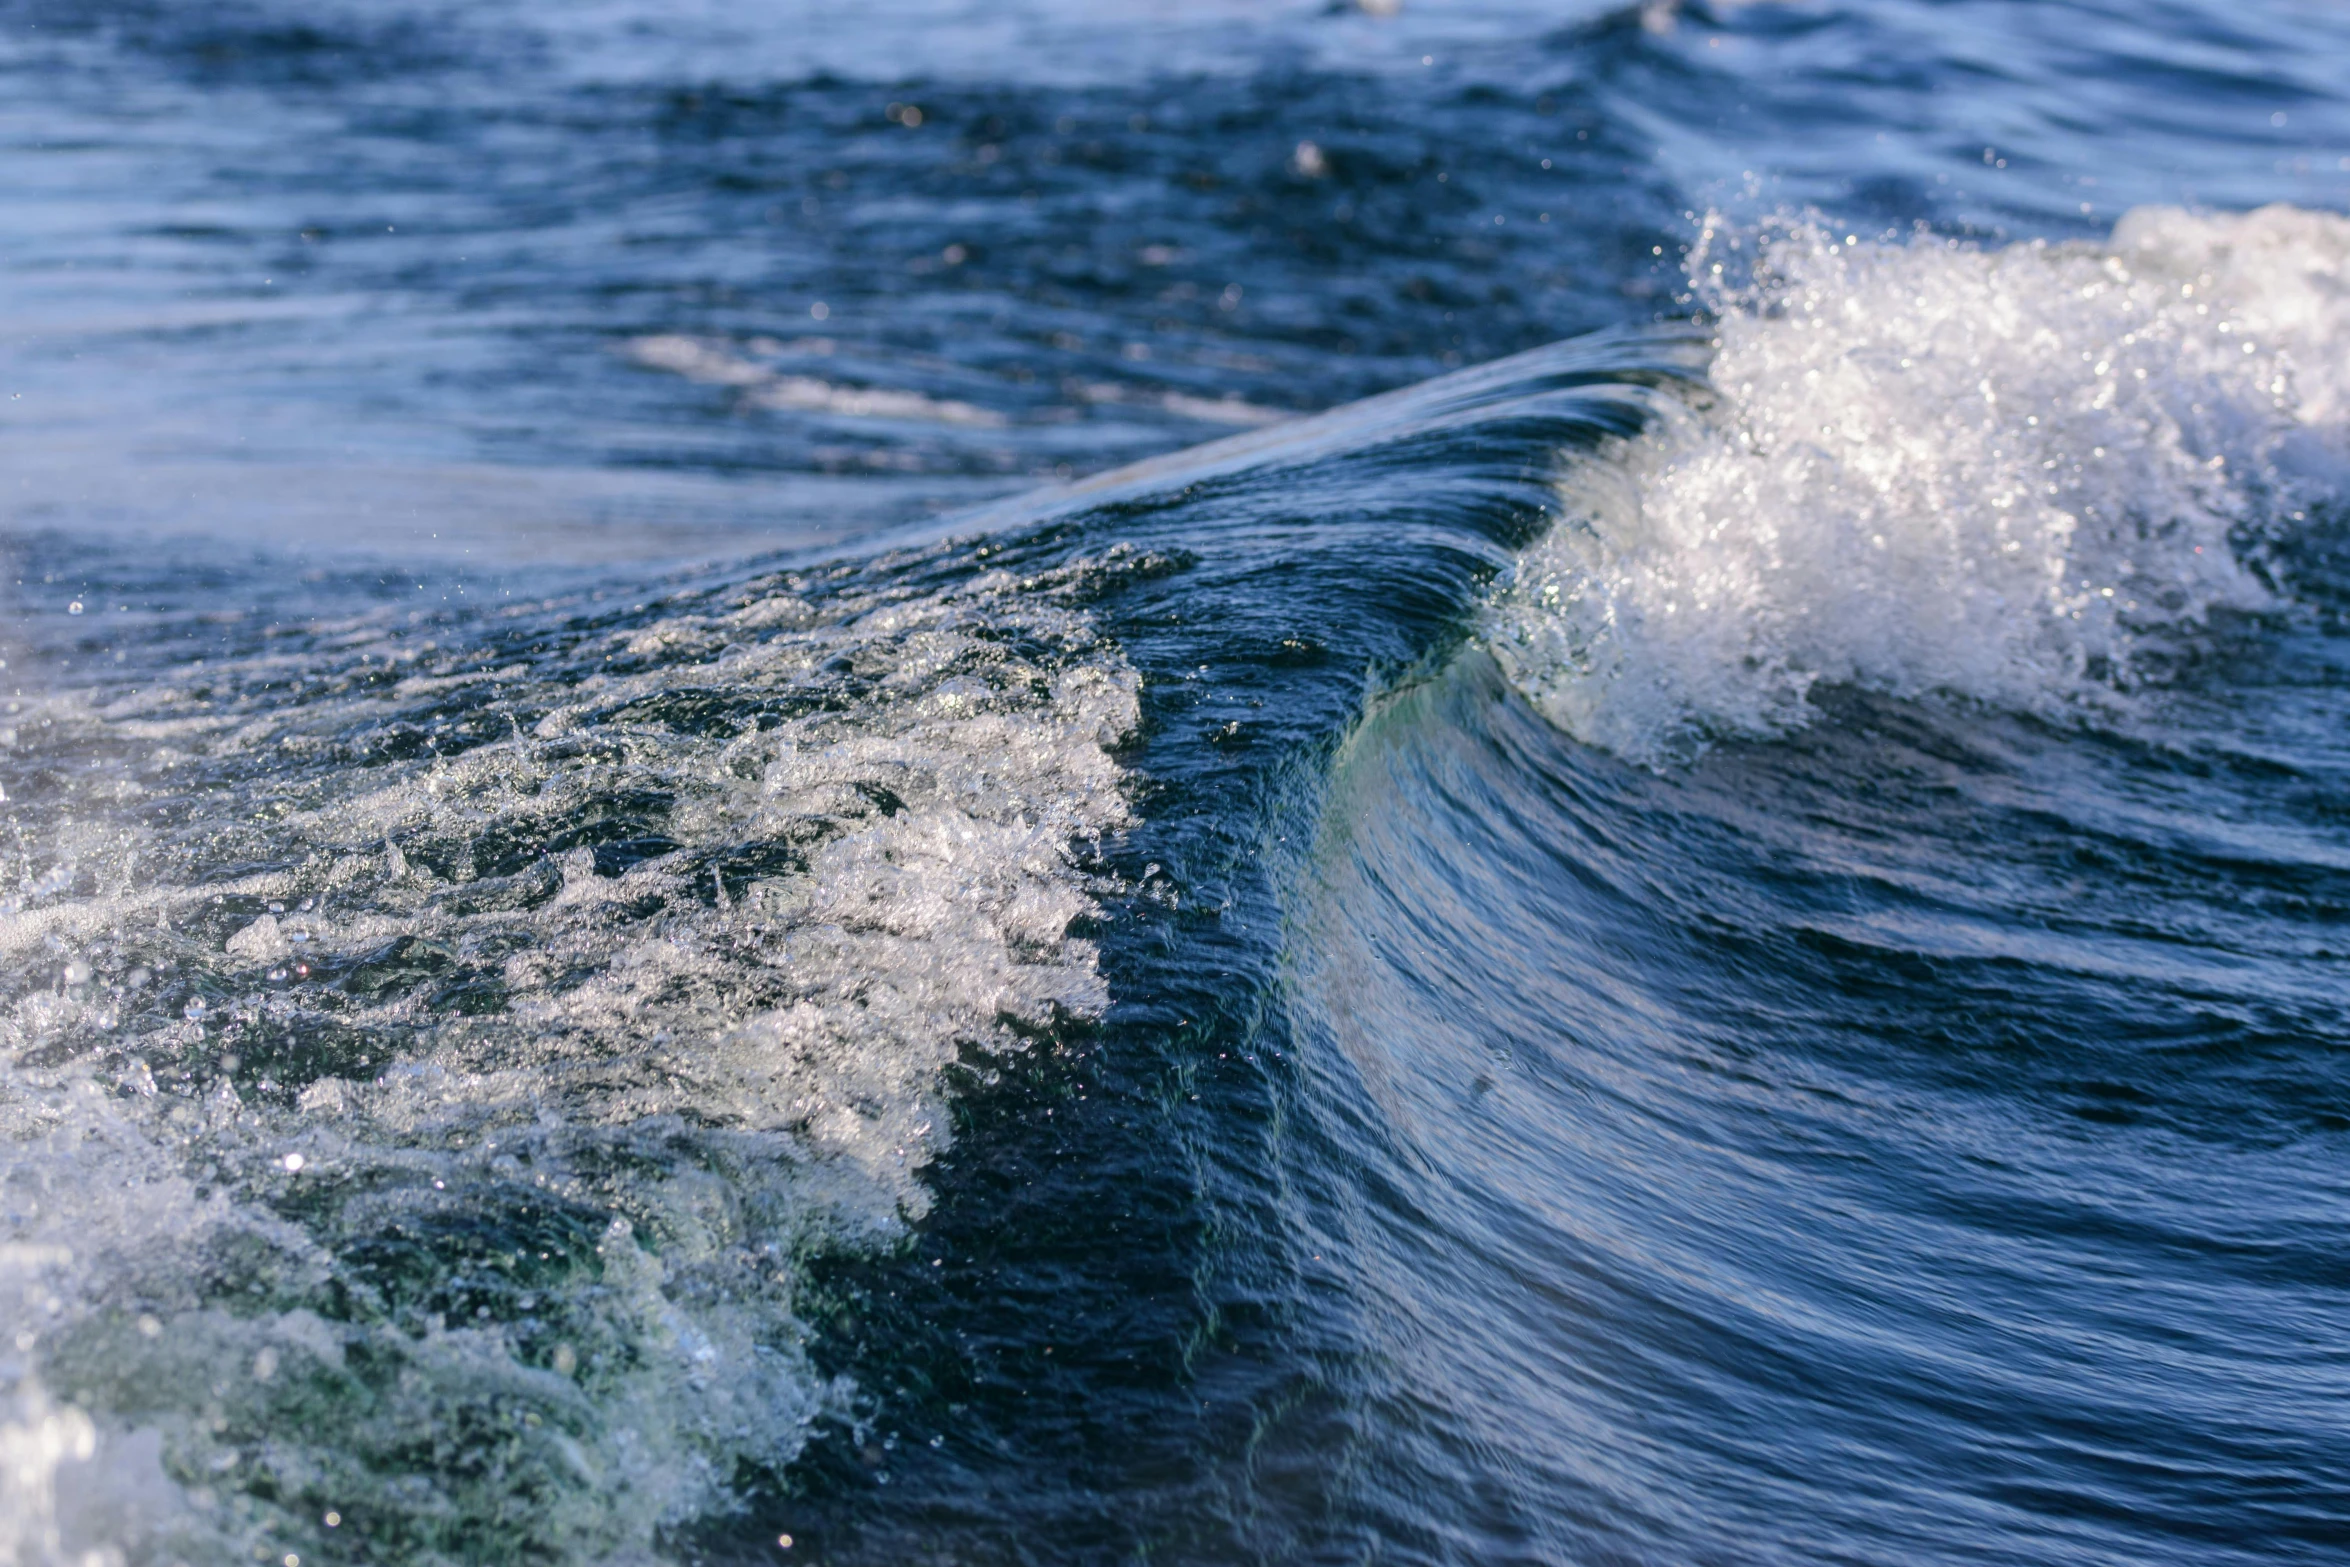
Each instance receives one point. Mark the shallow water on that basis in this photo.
(683, 881)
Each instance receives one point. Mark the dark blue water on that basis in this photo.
(684, 882)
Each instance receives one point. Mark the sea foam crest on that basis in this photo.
(2027, 476)
(433, 1051)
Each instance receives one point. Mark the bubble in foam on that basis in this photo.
(2026, 476)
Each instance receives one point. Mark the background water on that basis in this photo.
(680, 875)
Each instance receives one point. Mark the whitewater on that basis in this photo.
(1428, 784)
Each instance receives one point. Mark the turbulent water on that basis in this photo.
(682, 882)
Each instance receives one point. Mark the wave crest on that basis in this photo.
(2027, 476)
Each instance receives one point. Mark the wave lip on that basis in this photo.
(2026, 476)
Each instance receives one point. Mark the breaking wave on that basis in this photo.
(2028, 476)
(435, 1047)
(446, 1048)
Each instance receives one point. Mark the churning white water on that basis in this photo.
(2028, 476)
(360, 1120)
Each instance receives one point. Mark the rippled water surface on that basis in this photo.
(1469, 782)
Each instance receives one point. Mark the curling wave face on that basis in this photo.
(1890, 1108)
(2029, 476)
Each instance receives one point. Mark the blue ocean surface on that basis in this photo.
(1286, 782)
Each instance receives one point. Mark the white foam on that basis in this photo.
(2026, 476)
(727, 1073)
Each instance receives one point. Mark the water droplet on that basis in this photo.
(74, 608)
